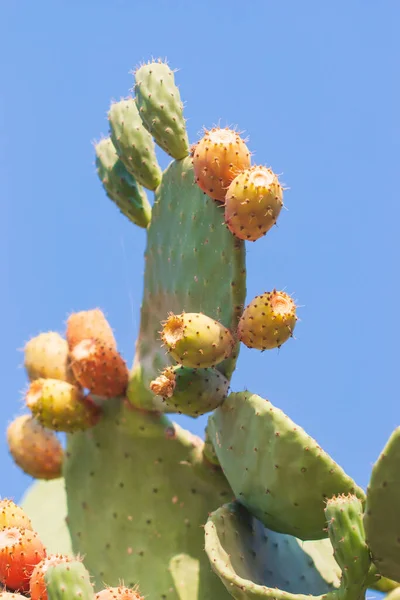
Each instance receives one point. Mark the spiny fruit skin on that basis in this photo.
(196, 340)
(35, 449)
(11, 596)
(99, 368)
(37, 584)
(46, 356)
(60, 406)
(253, 203)
(133, 143)
(217, 159)
(68, 580)
(268, 321)
(88, 324)
(20, 550)
(192, 392)
(118, 593)
(12, 515)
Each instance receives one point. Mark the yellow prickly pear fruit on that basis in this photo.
(12, 515)
(88, 324)
(46, 356)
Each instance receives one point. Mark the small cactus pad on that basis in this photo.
(192, 392)
(68, 580)
(133, 143)
(121, 187)
(35, 449)
(160, 108)
(254, 562)
(253, 203)
(217, 159)
(88, 324)
(193, 263)
(381, 519)
(268, 321)
(46, 356)
(195, 340)
(275, 469)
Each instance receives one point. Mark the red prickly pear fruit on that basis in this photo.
(46, 356)
(268, 321)
(88, 324)
(61, 406)
(118, 593)
(35, 449)
(217, 158)
(197, 341)
(12, 515)
(100, 368)
(20, 551)
(37, 584)
(253, 203)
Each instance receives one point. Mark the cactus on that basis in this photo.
(257, 510)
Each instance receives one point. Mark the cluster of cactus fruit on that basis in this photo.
(257, 509)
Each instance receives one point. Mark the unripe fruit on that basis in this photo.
(37, 584)
(197, 341)
(35, 449)
(46, 356)
(268, 321)
(88, 324)
(217, 159)
(253, 203)
(118, 593)
(12, 515)
(20, 551)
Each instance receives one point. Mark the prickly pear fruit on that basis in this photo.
(35, 449)
(160, 108)
(46, 356)
(133, 143)
(12, 515)
(217, 159)
(196, 340)
(119, 593)
(99, 368)
(268, 321)
(88, 324)
(120, 186)
(253, 203)
(68, 580)
(37, 584)
(11, 596)
(61, 406)
(192, 392)
(20, 551)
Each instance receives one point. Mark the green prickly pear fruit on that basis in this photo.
(68, 580)
(268, 321)
(192, 392)
(60, 406)
(99, 368)
(35, 449)
(133, 143)
(217, 159)
(161, 109)
(119, 593)
(120, 186)
(37, 583)
(12, 515)
(88, 324)
(196, 340)
(253, 203)
(46, 356)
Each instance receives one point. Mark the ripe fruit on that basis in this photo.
(118, 593)
(268, 321)
(88, 324)
(20, 551)
(37, 585)
(11, 596)
(253, 203)
(46, 355)
(217, 158)
(12, 515)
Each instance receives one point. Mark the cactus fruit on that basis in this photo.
(12, 515)
(46, 356)
(20, 551)
(253, 203)
(11, 596)
(119, 593)
(218, 158)
(37, 583)
(192, 392)
(197, 341)
(88, 324)
(68, 580)
(133, 143)
(60, 406)
(99, 368)
(160, 108)
(268, 321)
(35, 449)
(121, 187)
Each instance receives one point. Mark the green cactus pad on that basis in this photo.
(120, 186)
(381, 519)
(68, 580)
(161, 109)
(133, 143)
(275, 469)
(193, 263)
(208, 450)
(254, 562)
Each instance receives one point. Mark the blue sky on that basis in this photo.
(315, 87)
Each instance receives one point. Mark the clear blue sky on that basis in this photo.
(315, 85)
